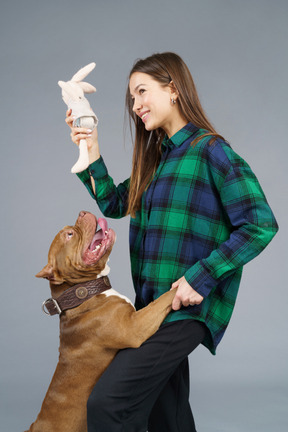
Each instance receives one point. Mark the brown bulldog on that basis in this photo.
(95, 321)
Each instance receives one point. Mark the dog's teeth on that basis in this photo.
(97, 247)
(106, 232)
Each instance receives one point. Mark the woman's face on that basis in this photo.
(152, 103)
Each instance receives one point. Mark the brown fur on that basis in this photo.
(92, 333)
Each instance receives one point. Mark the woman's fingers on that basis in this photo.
(80, 133)
(69, 118)
(176, 305)
(77, 130)
(77, 138)
(185, 294)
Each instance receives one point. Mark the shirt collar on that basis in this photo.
(179, 137)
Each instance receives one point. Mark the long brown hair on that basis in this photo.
(164, 68)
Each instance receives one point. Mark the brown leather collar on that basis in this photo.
(76, 295)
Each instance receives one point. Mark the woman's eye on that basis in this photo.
(141, 91)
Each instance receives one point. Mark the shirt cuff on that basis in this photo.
(200, 280)
(97, 170)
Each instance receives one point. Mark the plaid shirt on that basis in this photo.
(203, 216)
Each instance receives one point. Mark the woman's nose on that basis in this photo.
(136, 106)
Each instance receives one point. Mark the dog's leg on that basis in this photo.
(132, 328)
(64, 406)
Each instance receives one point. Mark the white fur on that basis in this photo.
(105, 271)
(112, 292)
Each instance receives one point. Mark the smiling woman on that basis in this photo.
(155, 104)
(161, 89)
(198, 214)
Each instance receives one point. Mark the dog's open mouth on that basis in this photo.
(102, 241)
(100, 236)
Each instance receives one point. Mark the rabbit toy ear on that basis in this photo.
(86, 87)
(83, 72)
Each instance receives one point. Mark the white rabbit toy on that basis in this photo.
(73, 95)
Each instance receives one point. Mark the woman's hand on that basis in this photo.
(185, 294)
(91, 137)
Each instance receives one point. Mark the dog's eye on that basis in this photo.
(70, 234)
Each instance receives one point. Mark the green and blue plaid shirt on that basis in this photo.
(203, 216)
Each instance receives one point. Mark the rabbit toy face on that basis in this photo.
(71, 92)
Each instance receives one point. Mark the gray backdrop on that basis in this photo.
(237, 53)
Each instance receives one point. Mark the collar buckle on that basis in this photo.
(46, 310)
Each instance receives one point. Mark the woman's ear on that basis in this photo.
(173, 90)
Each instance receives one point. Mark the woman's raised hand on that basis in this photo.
(91, 137)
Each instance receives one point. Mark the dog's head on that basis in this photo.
(79, 253)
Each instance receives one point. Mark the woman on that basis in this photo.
(198, 214)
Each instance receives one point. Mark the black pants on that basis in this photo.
(148, 388)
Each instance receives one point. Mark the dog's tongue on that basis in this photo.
(98, 237)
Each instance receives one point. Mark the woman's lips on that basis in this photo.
(144, 116)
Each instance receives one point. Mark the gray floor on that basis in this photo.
(217, 408)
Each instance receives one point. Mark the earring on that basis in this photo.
(173, 101)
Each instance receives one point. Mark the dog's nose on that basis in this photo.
(82, 213)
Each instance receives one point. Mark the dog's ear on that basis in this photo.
(46, 273)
